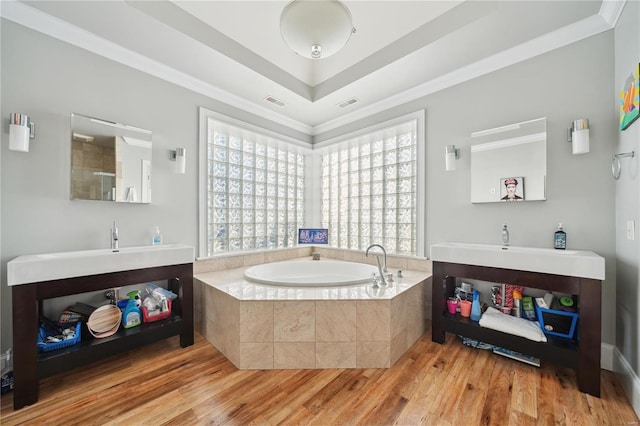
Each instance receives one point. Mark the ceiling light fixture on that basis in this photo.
(316, 29)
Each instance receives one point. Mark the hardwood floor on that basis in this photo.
(431, 384)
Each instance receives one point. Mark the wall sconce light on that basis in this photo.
(21, 129)
(578, 135)
(178, 155)
(450, 157)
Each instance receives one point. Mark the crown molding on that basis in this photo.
(44, 23)
(34, 19)
(605, 20)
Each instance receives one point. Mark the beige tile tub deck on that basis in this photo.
(263, 327)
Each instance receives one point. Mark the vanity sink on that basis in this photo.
(52, 266)
(577, 263)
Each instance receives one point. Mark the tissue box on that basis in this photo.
(557, 323)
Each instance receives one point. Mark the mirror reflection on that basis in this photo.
(509, 163)
(109, 161)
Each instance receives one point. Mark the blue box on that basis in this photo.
(557, 323)
(46, 347)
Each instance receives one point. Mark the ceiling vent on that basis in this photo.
(348, 102)
(274, 101)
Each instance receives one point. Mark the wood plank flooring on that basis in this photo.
(432, 384)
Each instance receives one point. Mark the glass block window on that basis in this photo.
(255, 190)
(369, 190)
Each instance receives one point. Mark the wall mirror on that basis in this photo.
(109, 161)
(509, 163)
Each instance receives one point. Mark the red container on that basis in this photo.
(150, 318)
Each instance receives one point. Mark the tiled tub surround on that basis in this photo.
(265, 327)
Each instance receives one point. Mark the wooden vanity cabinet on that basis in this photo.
(581, 354)
(30, 366)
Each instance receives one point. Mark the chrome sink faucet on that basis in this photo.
(381, 270)
(114, 237)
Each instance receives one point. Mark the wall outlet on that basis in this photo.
(631, 230)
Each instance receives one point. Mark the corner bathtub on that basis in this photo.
(303, 322)
(319, 273)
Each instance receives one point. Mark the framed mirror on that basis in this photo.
(109, 161)
(509, 163)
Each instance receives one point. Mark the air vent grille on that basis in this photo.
(348, 102)
(275, 101)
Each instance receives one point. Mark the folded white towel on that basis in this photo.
(496, 320)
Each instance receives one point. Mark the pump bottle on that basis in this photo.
(156, 240)
(560, 238)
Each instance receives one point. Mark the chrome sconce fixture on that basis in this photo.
(21, 129)
(616, 168)
(179, 156)
(316, 29)
(451, 155)
(578, 135)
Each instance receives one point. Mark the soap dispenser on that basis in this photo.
(475, 306)
(560, 238)
(156, 240)
(505, 235)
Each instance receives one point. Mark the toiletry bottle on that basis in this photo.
(157, 236)
(475, 306)
(505, 235)
(560, 238)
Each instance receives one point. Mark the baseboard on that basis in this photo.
(628, 379)
(606, 356)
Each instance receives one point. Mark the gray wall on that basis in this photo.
(627, 190)
(563, 85)
(50, 80)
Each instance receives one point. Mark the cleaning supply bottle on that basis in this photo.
(475, 306)
(560, 238)
(132, 316)
(156, 240)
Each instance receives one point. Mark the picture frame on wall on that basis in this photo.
(630, 99)
(512, 189)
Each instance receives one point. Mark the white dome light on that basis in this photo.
(316, 29)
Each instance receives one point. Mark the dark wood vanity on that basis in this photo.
(31, 366)
(581, 354)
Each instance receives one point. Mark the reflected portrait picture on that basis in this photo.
(512, 189)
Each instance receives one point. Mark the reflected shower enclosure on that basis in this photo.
(109, 161)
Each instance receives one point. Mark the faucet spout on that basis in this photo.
(366, 254)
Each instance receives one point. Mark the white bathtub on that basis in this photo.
(311, 273)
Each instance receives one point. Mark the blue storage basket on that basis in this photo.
(46, 347)
(557, 323)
